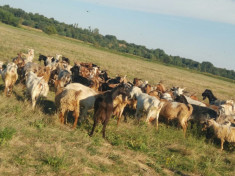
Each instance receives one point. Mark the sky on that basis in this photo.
(201, 30)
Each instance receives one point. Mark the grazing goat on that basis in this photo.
(222, 119)
(212, 99)
(146, 103)
(200, 114)
(68, 100)
(29, 57)
(9, 76)
(175, 110)
(119, 103)
(36, 87)
(65, 59)
(104, 106)
(178, 91)
(223, 132)
(44, 72)
(160, 87)
(228, 108)
(20, 62)
(147, 88)
(88, 97)
(42, 57)
(64, 76)
(137, 82)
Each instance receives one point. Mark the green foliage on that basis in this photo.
(6, 134)
(8, 18)
(50, 30)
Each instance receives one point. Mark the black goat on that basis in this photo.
(212, 99)
(200, 114)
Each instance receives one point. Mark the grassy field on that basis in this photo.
(34, 143)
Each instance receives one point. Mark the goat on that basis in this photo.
(147, 88)
(44, 58)
(20, 62)
(212, 99)
(179, 111)
(88, 97)
(227, 108)
(146, 103)
(226, 118)
(9, 76)
(137, 82)
(36, 87)
(44, 72)
(29, 57)
(65, 59)
(179, 91)
(104, 106)
(200, 114)
(160, 87)
(64, 76)
(68, 100)
(119, 103)
(223, 132)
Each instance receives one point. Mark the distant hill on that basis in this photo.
(17, 17)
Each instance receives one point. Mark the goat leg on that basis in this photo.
(222, 144)
(94, 125)
(76, 115)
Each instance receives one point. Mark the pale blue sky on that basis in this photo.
(202, 30)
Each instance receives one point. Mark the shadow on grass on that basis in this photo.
(19, 97)
(48, 106)
(2, 87)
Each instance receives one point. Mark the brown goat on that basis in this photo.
(44, 72)
(9, 76)
(161, 88)
(147, 88)
(68, 100)
(175, 110)
(104, 106)
(119, 103)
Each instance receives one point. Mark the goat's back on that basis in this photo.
(87, 96)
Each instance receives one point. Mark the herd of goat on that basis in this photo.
(84, 86)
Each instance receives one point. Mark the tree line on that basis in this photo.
(17, 17)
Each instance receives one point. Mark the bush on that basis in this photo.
(50, 30)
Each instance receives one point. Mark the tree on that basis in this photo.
(50, 30)
(207, 67)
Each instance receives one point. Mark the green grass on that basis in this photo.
(35, 143)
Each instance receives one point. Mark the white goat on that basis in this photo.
(87, 97)
(29, 57)
(146, 103)
(36, 87)
(223, 132)
(228, 108)
(9, 76)
(179, 91)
